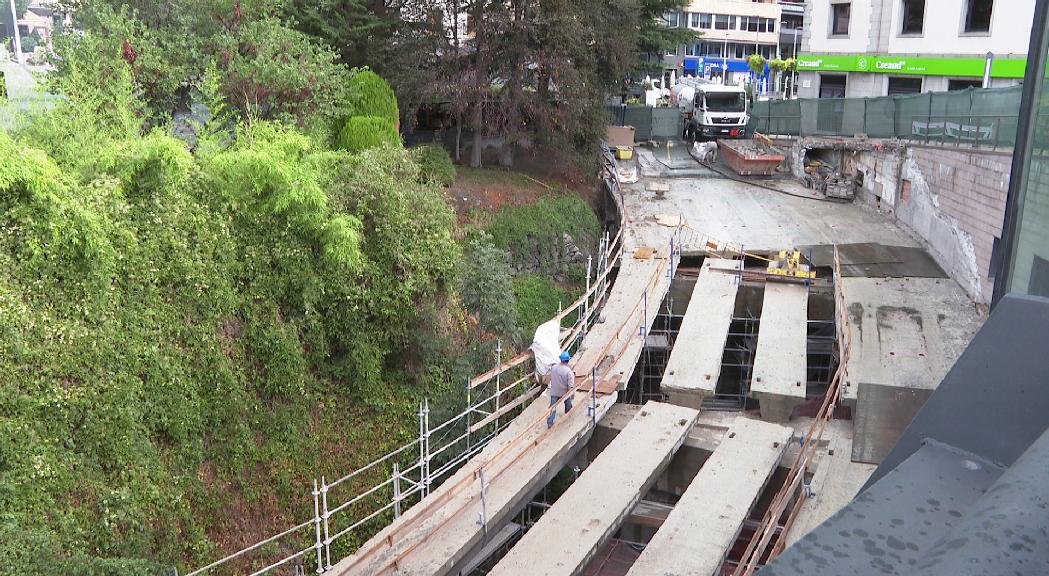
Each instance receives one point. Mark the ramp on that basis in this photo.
(695, 363)
(583, 518)
(704, 524)
(780, 362)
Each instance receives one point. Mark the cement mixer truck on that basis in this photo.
(710, 110)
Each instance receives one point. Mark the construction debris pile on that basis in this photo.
(823, 177)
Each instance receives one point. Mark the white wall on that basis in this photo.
(944, 21)
(817, 28)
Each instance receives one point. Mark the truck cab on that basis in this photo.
(714, 111)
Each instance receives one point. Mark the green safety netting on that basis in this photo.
(974, 116)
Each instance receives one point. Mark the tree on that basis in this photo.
(265, 69)
(654, 37)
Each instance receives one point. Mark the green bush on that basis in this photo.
(370, 95)
(360, 133)
(535, 233)
(537, 299)
(487, 288)
(435, 164)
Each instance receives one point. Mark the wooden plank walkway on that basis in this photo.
(585, 516)
(695, 363)
(780, 361)
(438, 535)
(705, 522)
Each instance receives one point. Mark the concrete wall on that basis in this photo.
(944, 25)
(953, 200)
(818, 26)
(950, 199)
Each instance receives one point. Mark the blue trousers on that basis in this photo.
(553, 414)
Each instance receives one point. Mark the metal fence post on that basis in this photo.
(593, 396)
(483, 519)
(422, 454)
(396, 490)
(325, 515)
(317, 526)
(426, 421)
(469, 417)
(586, 297)
(644, 311)
(499, 364)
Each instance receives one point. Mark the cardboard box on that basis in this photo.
(620, 136)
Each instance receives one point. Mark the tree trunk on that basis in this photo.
(458, 138)
(480, 81)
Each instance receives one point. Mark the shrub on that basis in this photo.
(370, 95)
(435, 164)
(360, 133)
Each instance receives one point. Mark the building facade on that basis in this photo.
(792, 22)
(871, 48)
(731, 30)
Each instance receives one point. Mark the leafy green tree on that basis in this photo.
(756, 63)
(487, 289)
(654, 37)
(266, 69)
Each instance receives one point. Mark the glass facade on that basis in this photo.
(1026, 258)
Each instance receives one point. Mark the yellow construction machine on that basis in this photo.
(789, 264)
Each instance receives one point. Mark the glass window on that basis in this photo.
(839, 24)
(905, 85)
(694, 20)
(722, 22)
(770, 24)
(913, 16)
(978, 16)
(726, 102)
(1027, 264)
(705, 21)
(962, 84)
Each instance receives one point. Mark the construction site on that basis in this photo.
(746, 353)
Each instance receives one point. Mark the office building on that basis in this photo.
(887, 47)
(731, 31)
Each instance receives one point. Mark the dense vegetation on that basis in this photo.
(194, 326)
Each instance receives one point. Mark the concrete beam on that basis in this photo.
(588, 514)
(780, 362)
(695, 363)
(705, 522)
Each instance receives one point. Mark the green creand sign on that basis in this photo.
(918, 66)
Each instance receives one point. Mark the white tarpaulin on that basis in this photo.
(546, 346)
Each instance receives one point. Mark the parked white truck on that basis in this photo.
(710, 110)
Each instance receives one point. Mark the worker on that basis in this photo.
(562, 381)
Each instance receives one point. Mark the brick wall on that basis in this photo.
(970, 188)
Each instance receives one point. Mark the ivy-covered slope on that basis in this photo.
(185, 340)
